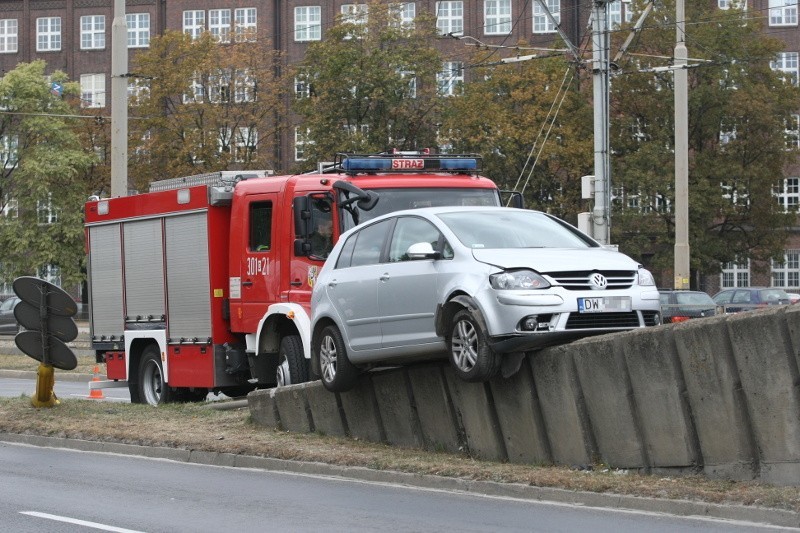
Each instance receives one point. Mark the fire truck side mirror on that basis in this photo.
(302, 217)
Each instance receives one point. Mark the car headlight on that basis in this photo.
(646, 278)
(518, 279)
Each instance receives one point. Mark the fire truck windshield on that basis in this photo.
(409, 198)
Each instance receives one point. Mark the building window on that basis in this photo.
(195, 94)
(51, 274)
(308, 23)
(792, 132)
(735, 274)
(8, 36)
(787, 273)
(732, 4)
(786, 62)
(10, 207)
(403, 15)
(450, 17)
(541, 22)
(496, 17)
(244, 87)
(194, 23)
(48, 34)
(244, 144)
(354, 13)
(219, 24)
(302, 87)
(9, 150)
(93, 90)
(782, 12)
(300, 142)
(451, 78)
(45, 212)
(619, 11)
(93, 32)
(246, 24)
(219, 87)
(788, 194)
(138, 30)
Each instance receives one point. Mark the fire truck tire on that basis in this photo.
(152, 387)
(337, 372)
(133, 389)
(292, 364)
(470, 354)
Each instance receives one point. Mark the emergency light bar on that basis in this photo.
(354, 164)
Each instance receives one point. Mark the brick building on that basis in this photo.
(75, 36)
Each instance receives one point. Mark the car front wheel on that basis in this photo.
(337, 372)
(470, 353)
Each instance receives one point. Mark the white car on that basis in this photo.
(475, 283)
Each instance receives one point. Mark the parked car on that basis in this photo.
(793, 297)
(471, 283)
(680, 305)
(748, 298)
(8, 323)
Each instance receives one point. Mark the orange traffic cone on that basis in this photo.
(96, 394)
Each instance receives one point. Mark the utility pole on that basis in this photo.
(682, 272)
(601, 213)
(119, 102)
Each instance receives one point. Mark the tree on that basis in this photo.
(738, 108)
(533, 127)
(371, 85)
(42, 163)
(202, 106)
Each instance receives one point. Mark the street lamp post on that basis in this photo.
(682, 272)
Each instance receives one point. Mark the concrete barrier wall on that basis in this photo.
(719, 396)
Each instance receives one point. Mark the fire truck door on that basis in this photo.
(259, 268)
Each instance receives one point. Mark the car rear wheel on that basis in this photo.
(152, 387)
(470, 353)
(292, 365)
(337, 372)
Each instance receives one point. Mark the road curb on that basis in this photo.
(685, 508)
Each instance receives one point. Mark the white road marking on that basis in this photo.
(68, 520)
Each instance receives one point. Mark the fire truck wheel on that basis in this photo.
(152, 387)
(337, 372)
(470, 353)
(292, 364)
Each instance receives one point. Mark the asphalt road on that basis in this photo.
(57, 490)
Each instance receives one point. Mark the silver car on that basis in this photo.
(477, 284)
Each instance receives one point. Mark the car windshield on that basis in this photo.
(513, 228)
(392, 200)
(693, 298)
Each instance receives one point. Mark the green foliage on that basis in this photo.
(180, 129)
(373, 86)
(48, 169)
(732, 90)
(532, 126)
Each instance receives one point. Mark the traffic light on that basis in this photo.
(45, 311)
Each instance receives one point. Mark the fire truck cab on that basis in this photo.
(204, 283)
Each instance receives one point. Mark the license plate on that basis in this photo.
(604, 304)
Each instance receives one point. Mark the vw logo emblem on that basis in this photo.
(597, 281)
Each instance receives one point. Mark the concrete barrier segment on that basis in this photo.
(661, 408)
(361, 411)
(397, 408)
(326, 413)
(604, 381)
(520, 417)
(563, 412)
(714, 393)
(437, 417)
(293, 411)
(768, 372)
(263, 409)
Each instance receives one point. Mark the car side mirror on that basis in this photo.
(422, 250)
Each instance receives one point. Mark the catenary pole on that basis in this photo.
(119, 101)
(682, 273)
(601, 213)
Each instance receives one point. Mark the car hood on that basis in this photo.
(556, 259)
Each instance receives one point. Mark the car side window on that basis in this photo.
(260, 226)
(741, 297)
(369, 244)
(408, 231)
(724, 297)
(346, 254)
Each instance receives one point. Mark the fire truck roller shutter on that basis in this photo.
(105, 270)
(144, 268)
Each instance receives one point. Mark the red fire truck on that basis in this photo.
(203, 284)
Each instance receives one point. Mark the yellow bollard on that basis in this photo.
(45, 381)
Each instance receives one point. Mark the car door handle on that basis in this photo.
(385, 277)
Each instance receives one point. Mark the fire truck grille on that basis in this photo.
(603, 320)
(579, 280)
